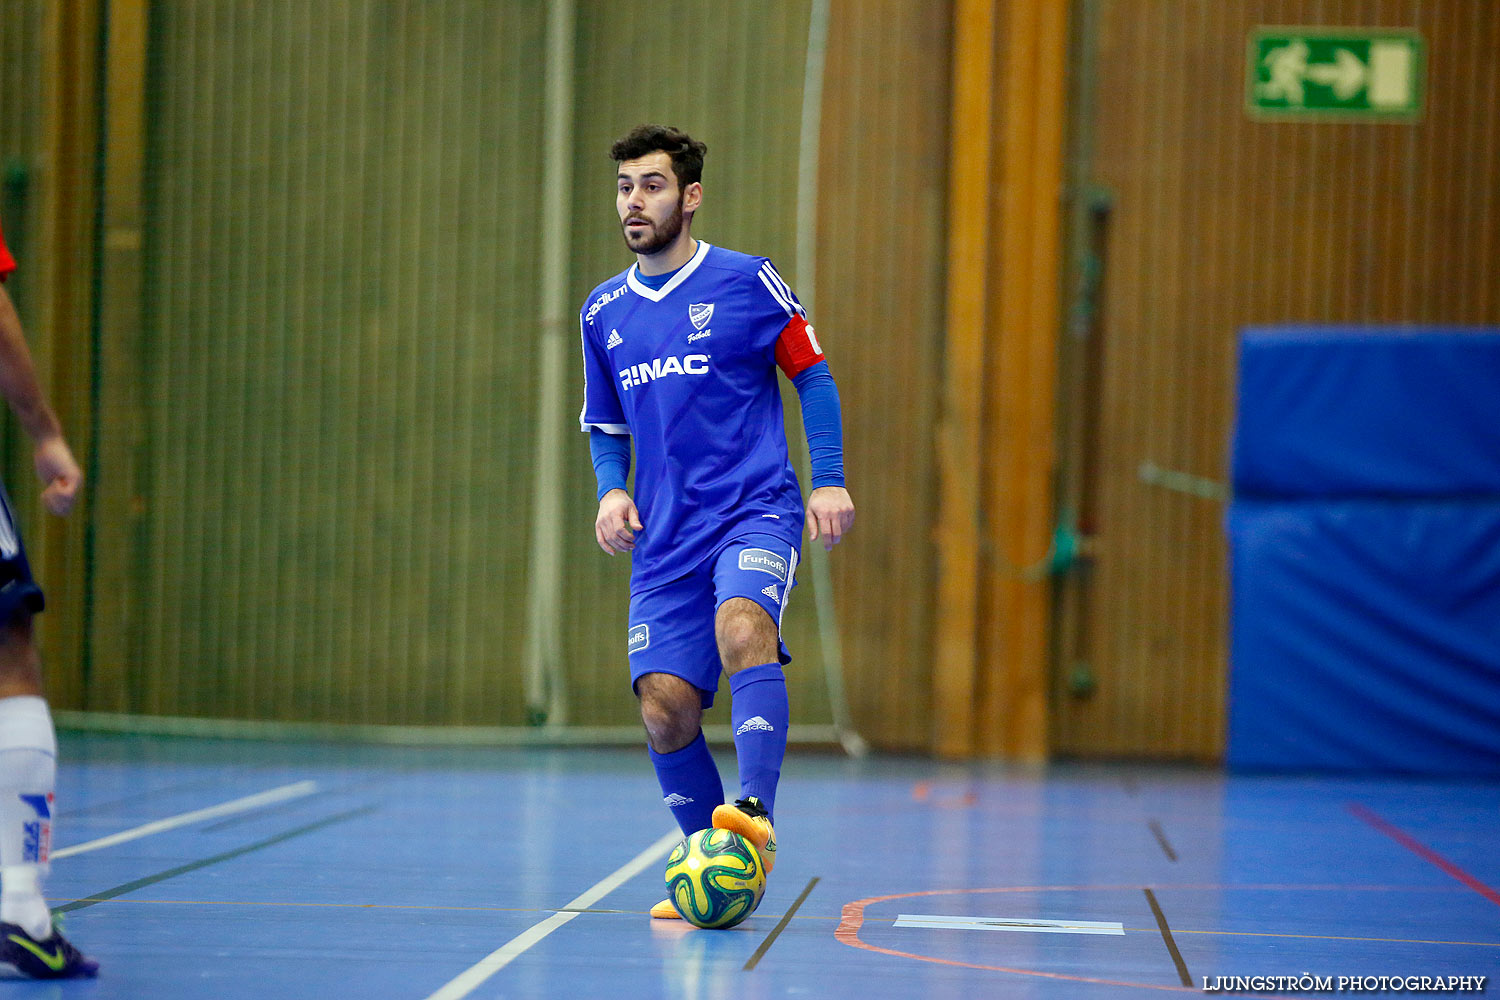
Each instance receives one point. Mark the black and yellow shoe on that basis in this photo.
(53, 958)
(749, 819)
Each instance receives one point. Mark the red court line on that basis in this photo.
(922, 792)
(1424, 852)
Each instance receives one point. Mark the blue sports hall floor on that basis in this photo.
(241, 869)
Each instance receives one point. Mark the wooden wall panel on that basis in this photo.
(1220, 221)
(881, 272)
(337, 405)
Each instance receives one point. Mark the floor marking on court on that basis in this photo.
(922, 792)
(471, 979)
(104, 805)
(1026, 924)
(853, 919)
(1161, 838)
(1166, 935)
(1424, 852)
(191, 866)
(282, 794)
(776, 931)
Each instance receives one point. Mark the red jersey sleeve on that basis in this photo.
(797, 348)
(7, 262)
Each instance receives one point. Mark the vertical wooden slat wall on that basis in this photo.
(1219, 221)
(339, 302)
(881, 268)
(341, 290)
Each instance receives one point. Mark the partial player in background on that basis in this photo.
(28, 743)
(680, 354)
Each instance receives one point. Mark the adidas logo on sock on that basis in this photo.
(674, 800)
(753, 725)
(771, 592)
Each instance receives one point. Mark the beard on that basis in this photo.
(659, 236)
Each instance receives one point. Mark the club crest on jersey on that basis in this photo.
(700, 313)
(764, 560)
(646, 371)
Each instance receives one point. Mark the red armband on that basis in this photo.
(7, 262)
(797, 348)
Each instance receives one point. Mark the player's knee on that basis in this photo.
(745, 633)
(671, 710)
(20, 666)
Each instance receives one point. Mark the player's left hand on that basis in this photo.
(830, 513)
(56, 467)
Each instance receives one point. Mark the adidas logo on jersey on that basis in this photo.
(754, 725)
(615, 340)
(646, 371)
(675, 799)
(771, 592)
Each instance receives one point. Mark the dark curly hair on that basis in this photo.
(686, 152)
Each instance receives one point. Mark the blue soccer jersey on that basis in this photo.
(689, 371)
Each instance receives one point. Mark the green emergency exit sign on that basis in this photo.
(1334, 73)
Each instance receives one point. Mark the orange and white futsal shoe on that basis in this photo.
(665, 911)
(749, 819)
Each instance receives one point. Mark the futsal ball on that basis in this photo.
(715, 878)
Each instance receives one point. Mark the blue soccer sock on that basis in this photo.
(761, 715)
(690, 784)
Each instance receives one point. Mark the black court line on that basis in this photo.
(69, 810)
(765, 945)
(1161, 838)
(1166, 935)
(141, 883)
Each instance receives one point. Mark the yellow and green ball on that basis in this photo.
(715, 878)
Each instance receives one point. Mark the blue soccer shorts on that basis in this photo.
(672, 626)
(18, 591)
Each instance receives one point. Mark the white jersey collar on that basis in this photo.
(632, 278)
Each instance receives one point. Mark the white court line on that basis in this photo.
(294, 791)
(468, 981)
(1032, 925)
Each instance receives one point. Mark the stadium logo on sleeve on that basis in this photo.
(640, 638)
(700, 313)
(601, 302)
(764, 560)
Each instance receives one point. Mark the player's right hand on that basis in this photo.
(617, 523)
(56, 467)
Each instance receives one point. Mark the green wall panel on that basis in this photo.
(343, 210)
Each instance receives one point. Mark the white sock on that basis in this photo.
(28, 775)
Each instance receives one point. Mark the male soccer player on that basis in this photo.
(28, 744)
(680, 353)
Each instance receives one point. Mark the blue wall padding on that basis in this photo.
(1366, 636)
(1364, 543)
(1348, 411)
